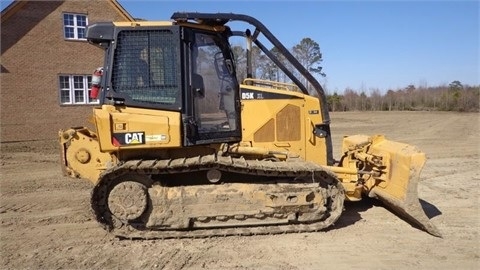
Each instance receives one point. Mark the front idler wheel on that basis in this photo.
(128, 200)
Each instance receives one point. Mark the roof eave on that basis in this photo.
(12, 9)
(17, 5)
(122, 10)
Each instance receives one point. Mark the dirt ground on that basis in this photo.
(46, 221)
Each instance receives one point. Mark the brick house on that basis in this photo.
(46, 65)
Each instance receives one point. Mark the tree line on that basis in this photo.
(452, 97)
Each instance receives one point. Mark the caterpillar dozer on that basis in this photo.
(180, 148)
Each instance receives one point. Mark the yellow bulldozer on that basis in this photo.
(180, 148)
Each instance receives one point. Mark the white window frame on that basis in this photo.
(66, 85)
(75, 26)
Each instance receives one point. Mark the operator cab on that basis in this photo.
(183, 68)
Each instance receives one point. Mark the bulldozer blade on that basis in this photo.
(411, 210)
(398, 191)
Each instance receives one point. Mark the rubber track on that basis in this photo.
(227, 164)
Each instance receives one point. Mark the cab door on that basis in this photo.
(215, 107)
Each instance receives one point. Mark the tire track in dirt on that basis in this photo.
(17, 208)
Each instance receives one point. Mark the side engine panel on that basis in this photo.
(282, 121)
(132, 128)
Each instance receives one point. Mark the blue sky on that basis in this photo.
(365, 44)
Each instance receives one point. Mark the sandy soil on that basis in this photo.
(46, 222)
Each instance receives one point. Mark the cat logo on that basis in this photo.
(129, 138)
(134, 138)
